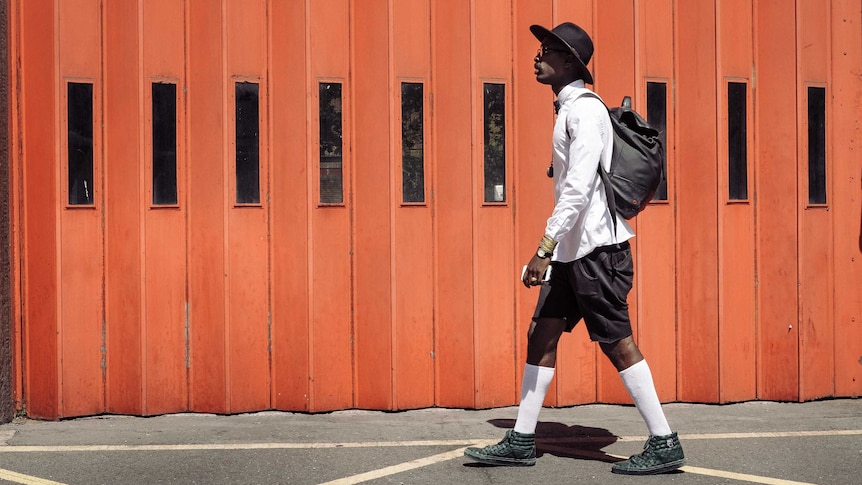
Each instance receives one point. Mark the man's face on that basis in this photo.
(553, 65)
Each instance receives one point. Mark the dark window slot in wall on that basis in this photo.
(495, 142)
(816, 145)
(657, 118)
(737, 140)
(412, 143)
(164, 144)
(247, 143)
(331, 156)
(80, 141)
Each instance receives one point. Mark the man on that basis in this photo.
(591, 264)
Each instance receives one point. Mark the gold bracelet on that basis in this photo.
(548, 244)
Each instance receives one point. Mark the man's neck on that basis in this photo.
(558, 88)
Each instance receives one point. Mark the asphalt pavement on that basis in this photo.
(755, 442)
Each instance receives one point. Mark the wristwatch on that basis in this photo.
(541, 253)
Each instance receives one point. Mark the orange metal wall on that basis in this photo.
(126, 307)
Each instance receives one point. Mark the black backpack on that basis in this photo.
(637, 162)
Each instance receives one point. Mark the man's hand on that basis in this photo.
(535, 271)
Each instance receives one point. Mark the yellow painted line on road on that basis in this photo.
(393, 444)
(777, 434)
(16, 477)
(407, 466)
(740, 476)
(230, 446)
(707, 436)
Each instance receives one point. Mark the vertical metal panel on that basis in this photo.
(247, 231)
(124, 317)
(775, 186)
(697, 363)
(846, 57)
(655, 250)
(207, 284)
(374, 187)
(81, 238)
(291, 194)
(331, 352)
(451, 21)
(165, 230)
(736, 334)
(816, 325)
(413, 242)
(493, 267)
(39, 135)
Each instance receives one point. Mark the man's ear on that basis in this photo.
(571, 63)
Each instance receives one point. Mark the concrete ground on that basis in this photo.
(756, 442)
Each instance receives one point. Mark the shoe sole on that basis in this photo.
(664, 468)
(500, 461)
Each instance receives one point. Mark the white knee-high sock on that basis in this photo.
(639, 383)
(533, 389)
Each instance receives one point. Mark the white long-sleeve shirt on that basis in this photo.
(583, 136)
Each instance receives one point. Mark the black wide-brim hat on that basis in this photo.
(573, 37)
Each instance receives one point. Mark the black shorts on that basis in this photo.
(594, 288)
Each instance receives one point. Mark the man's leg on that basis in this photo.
(637, 378)
(662, 452)
(542, 343)
(519, 446)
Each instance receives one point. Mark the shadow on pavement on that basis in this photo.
(577, 442)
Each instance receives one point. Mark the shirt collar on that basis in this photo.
(568, 92)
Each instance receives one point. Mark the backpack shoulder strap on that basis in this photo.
(606, 179)
(609, 195)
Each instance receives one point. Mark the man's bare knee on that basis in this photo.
(623, 353)
(542, 342)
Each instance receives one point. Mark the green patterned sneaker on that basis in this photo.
(516, 449)
(661, 454)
